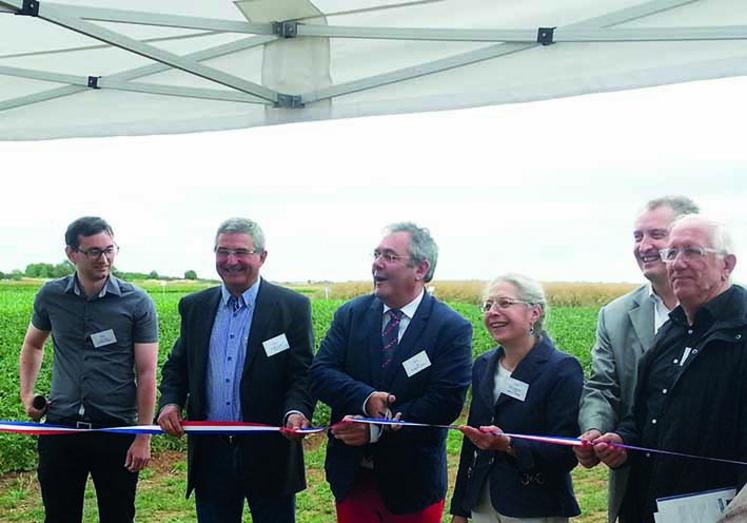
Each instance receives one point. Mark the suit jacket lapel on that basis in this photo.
(486, 386)
(204, 319)
(407, 345)
(642, 319)
(264, 308)
(529, 367)
(372, 327)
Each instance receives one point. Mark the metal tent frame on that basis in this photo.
(508, 41)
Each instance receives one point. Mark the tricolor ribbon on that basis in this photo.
(190, 427)
(553, 440)
(235, 428)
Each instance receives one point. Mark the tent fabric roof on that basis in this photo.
(107, 67)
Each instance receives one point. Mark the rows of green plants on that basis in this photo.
(571, 328)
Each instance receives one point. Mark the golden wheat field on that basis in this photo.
(560, 294)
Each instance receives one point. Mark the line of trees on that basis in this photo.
(51, 270)
(152, 275)
(48, 270)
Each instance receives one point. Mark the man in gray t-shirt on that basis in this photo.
(105, 337)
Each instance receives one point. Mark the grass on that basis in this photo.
(162, 486)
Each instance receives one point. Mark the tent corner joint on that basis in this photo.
(289, 101)
(29, 8)
(545, 35)
(285, 29)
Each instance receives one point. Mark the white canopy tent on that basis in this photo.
(90, 68)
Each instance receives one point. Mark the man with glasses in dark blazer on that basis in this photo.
(242, 355)
(397, 351)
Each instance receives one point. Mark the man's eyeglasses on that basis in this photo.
(688, 253)
(501, 304)
(95, 253)
(388, 256)
(221, 252)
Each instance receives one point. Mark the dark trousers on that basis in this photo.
(64, 464)
(220, 491)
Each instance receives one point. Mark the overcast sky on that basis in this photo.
(546, 188)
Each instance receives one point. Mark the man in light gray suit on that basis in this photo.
(625, 330)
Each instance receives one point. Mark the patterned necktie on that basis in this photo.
(234, 304)
(390, 336)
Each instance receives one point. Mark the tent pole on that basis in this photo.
(163, 20)
(184, 92)
(43, 75)
(139, 72)
(496, 51)
(56, 16)
(647, 34)
(142, 87)
(408, 73)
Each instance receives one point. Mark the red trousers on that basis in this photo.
(364, 505)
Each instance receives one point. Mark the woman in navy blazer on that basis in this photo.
(524, 386)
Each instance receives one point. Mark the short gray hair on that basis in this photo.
(528, 289)
(422, 245)
(718, 235)
(680, 205)
(243, 226)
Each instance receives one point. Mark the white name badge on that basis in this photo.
(685, 355)
(274, 345)
(103, 338)
(516, 389)
(417, 363)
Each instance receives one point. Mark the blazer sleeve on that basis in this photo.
(301, 340)
(600, 401)
(742, 478)
(443, 400)
(329, 380)
(628, 428)
(467, 456)
(175, 372)
(562, 415)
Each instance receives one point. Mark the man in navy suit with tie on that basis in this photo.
(398, 350)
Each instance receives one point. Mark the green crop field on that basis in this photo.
(161, 489)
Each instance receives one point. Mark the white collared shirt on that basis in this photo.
(661, 312)
(408, 311)
(500, 381)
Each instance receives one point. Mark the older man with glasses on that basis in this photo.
(105, 334)
(691, 395)
(626, 328)
(243, 354)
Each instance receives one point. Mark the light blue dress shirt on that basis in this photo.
(228, 342)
